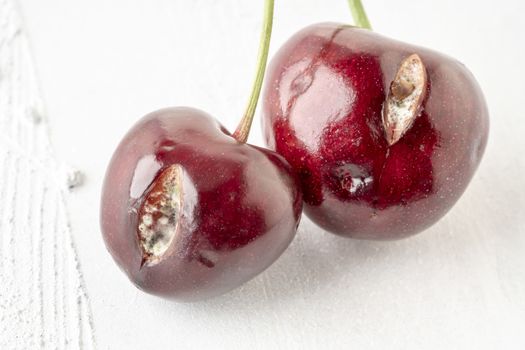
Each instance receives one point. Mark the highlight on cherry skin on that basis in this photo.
(188, 212)
(384, 136)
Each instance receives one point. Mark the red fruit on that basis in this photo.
(188, 212)
(385, 136)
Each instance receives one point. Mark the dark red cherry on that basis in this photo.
(188, 212)
(385, 136)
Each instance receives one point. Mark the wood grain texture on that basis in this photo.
(43, 303)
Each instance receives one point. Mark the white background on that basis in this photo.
(461, 284)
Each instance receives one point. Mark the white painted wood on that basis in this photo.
(460, 285)
(42, 298)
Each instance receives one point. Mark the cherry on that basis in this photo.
(190, 211)
(385, 136)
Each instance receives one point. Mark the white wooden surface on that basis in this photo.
(461, 284)
(43, 303)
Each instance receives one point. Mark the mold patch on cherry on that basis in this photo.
(159, 215)
(406, 95)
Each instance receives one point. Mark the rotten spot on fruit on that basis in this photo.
(403, 103)
(159, 215)
(353, 178)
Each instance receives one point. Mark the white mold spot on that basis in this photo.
(403, 103)
(159, 216)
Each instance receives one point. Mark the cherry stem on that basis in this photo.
(359, 14)
(243, 129)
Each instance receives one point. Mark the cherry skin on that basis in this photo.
(188, 212)
(323, 111)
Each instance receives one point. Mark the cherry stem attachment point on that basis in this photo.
(243, 129)
(359, 14)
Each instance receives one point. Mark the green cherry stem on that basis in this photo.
(359, 14)
(243, 129)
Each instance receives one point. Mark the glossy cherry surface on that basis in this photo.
(323, 107)
(188, 212)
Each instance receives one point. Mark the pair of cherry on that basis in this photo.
(377, 138)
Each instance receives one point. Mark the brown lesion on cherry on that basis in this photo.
(405, 98)
(402, 88)
(159, 215)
